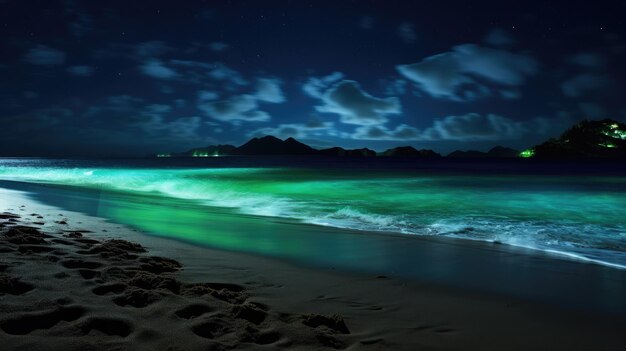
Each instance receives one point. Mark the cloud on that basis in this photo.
(499, 37)
(222, 72)
(498, 66)
(355, 106)
(269, 90)
(468, 127)
(242, 107)
(439, 75)
(113, 108)
(236, 108)
(216, 78)
(464, 73)
(184, 127)
(401, 132)
(510, 94)
(591, 77)
(588, 60)
(81, 70)
(122, 103)
(406, 32)
(45, 56)
(149, 57)
(315, 86)
(154, 124)
(79, 23)
(201, 72)
(206, 95)
(139, 52)
(117, 125)
(218, 46)
(151, 49)
(395, 87)
(156, 69)
(476, 127)
(584, 83)
(294, 130)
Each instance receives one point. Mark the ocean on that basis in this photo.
(573, 210)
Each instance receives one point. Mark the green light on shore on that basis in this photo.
(613, 131)
(200, 154)
(527, 153)
(164, 155)
(609, 145)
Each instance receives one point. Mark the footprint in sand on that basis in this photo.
(108, 326)
(29, 322)
(78, 263)
(193, 311)
(13, 285)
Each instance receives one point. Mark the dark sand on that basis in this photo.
(67, 282)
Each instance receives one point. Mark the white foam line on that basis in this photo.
(558, 252)
(395, 230)
(582, 258)
(552, 251)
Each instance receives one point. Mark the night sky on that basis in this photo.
(112, 78)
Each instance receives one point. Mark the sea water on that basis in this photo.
(581, 215)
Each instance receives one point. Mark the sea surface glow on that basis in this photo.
(580, 216)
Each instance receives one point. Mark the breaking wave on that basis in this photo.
(251, 191)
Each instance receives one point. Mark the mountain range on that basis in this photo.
(587, 139)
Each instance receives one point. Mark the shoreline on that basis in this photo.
(380, 312)
(66, 287)
(470, 266)
(592, 247)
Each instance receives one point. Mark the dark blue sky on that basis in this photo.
(136, 77)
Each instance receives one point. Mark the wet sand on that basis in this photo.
(70, 281)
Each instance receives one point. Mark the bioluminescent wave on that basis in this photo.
(578, 217)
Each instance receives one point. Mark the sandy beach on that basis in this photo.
(59, 284)
(76, 282)
(312, 175)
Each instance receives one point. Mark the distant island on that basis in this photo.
(587, 139)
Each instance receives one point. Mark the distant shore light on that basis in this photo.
(527, 153)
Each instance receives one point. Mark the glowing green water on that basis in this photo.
(582, 216)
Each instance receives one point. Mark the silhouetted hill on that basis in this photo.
(495, 152)
(587, 139)
(270, 145)
(467, 154)
(409, 151)
(502, 152)
(364, 152)
(334, 151)
(339, 151)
